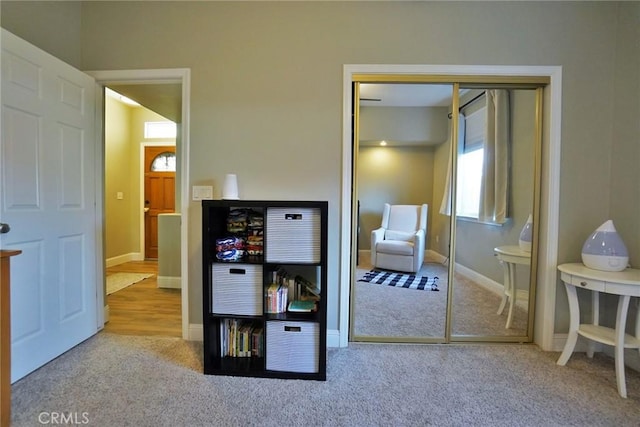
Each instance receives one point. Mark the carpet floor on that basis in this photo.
(114, 380)
(396, 312)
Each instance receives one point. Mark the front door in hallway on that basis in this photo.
(159, 192)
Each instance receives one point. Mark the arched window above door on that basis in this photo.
(164, 162)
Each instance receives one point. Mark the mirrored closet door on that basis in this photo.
(494, 205)
(476, 281)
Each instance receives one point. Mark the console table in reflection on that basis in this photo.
(509, 256)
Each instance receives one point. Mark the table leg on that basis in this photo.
(621, 321)
(574, 323)
(595, 319)
(505, 285)
(512, 293)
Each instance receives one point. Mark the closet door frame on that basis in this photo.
(550, 78)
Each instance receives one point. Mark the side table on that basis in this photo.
(5, 336)
(625, 284)
(509, 256)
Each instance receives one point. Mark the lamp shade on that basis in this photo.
(230, 187)
(605, 250)
(526, 235)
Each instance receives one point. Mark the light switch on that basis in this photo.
(202, 192)
(119, 195)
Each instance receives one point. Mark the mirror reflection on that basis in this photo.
(400, 169)
(494, 201)
(404, 172)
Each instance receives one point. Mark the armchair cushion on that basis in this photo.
(405, 236)
(396, 247)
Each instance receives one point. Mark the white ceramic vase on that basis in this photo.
(526, 235)
(230, 187)
(604, 249)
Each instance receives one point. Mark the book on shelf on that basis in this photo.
(241, 338)
(307, 286)
(298, 306)
(276, 298)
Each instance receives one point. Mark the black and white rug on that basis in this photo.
(401, 280)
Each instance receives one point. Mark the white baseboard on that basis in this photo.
(522, 297)
(437, 256)
(333, 338)
(170, 282)
(106, 313)
(196, 332)
(121, 259)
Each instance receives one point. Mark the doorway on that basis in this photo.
(548, 203)
(140, 170)
(170, 88)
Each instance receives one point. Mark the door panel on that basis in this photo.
(159, 190)
(48, 199)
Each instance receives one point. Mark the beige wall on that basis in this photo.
(52, 26)
(121, 223)
(395, 175)
(407, 125)
(267, 90)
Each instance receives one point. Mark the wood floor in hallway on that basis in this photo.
(143, 308)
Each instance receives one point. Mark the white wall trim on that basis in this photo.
(333, 338)
(196, 332)
(169, 282)
(522, 295)
(121, 259)
(168, 76)
(550, 185)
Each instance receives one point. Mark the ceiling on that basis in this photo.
(405, 95)
(164, 99)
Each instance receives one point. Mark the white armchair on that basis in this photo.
(399, 243)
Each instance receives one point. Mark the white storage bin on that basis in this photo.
(293, 235)
(237, 289)
(292, 346)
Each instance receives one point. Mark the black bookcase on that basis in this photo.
(255, 253)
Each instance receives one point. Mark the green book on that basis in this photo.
(302, 306)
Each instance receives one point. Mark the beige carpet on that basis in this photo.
(119, 281)
(117, 380)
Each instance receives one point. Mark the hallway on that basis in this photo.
(143, 308)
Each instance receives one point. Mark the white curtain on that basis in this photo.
(495, 174)
(445, 206)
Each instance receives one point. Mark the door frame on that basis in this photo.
(155, 76)
(144, 145)
(550, 184)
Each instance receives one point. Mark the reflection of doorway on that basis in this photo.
(159, 192)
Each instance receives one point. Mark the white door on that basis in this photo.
(47, 184)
